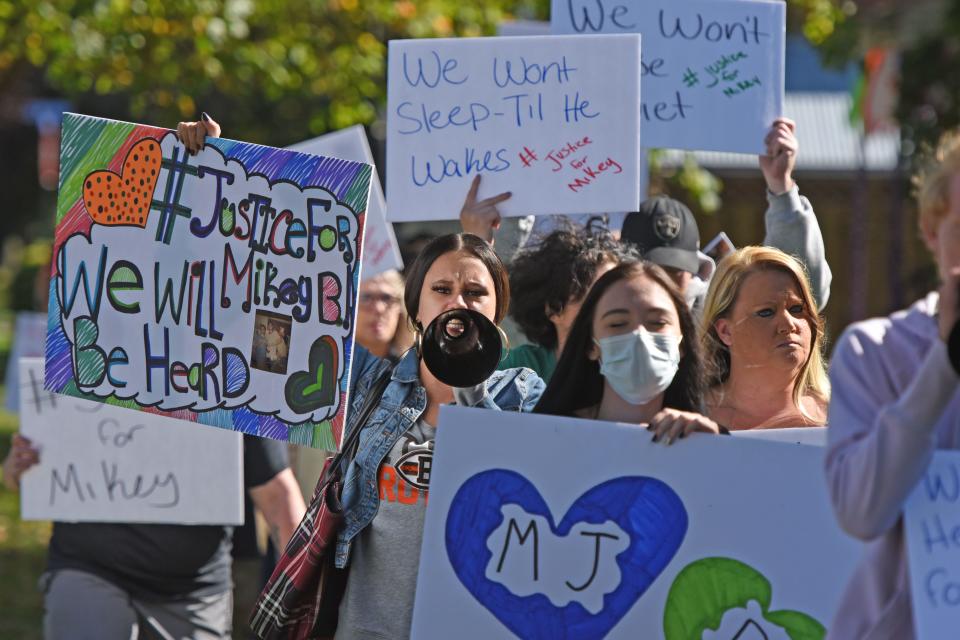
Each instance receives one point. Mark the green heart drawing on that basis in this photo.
(89, 364)
(707, 589)
(306, 391)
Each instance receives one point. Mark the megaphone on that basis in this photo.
(461, 347)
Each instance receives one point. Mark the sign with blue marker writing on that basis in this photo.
(712, 70)
(931, 519)
(106, 464)
(610, 535)
(218, 288)
(554, 120)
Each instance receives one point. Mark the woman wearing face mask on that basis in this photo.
(762, 343)
(632, 356)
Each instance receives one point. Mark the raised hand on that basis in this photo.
(193, 134)
(481, 217)
(781, 157)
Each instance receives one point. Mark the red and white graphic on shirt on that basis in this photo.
(407, 479)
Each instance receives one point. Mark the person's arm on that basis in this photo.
(791, 225)
(22, 456)
(880, 441)
(281, 503)
(529, 384)
(481, 217)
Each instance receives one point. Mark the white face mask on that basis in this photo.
(639, 365)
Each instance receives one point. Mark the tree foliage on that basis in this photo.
(927, 36)
(274, 71)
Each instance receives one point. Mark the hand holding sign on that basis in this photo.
(22, 456)
(781, 157)
(193, 135)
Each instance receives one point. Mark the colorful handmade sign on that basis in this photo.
(218, 288)
(380, 249)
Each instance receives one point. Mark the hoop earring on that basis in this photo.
(505, 341)
(418, 342)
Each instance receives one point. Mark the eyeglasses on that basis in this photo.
(370, 299)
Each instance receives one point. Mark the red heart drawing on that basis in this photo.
(124, 199)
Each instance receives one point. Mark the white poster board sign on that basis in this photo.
(102, 463)
(380, 249)
(932, 522)
(513, 28)
(547, 527)
(713, 70)
(549, 119)
(29, 336)
(813, 436)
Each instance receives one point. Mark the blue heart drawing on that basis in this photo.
(648, 510)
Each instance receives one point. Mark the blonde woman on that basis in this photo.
(381, 322)
(762, 344)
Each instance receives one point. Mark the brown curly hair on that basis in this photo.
(558, 269)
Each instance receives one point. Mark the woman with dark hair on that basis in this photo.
(386, 483)
(632, 356)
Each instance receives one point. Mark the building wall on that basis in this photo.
(899, 268)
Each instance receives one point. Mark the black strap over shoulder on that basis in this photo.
(352, 439)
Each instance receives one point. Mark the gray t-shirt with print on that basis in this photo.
(385, 557)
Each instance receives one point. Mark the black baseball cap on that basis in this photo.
(666, 233)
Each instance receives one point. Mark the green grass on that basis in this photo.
(23, 553)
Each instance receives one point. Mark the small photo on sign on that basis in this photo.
(271, 342)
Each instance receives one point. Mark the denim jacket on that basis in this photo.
(403, 401)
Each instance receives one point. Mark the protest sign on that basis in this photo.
(100, 463)
(380, 249)
(713, 70)
(513, 28)
(29, 335)
(813, 436)
(218, 288)
(554, 120)
(547, 527)
(932, 523)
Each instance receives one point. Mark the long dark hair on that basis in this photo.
(467, 243)
(577, 382)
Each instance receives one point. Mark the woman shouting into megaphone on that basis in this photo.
(456, 290)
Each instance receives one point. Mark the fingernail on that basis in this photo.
(205, 116)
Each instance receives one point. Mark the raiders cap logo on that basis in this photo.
(666, 224)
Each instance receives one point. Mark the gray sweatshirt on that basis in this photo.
(792, 227)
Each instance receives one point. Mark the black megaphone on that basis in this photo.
(461, 347)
